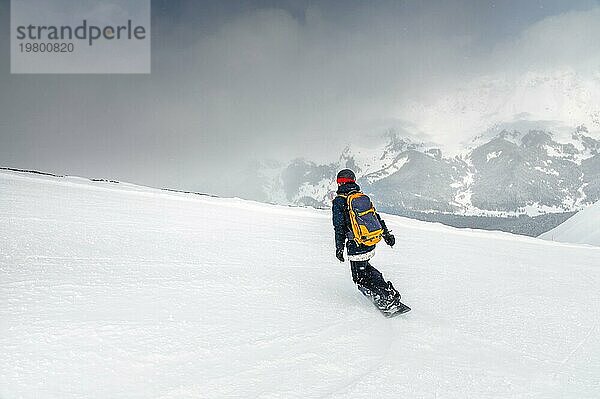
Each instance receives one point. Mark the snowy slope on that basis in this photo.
(117, 291)
(581, 228)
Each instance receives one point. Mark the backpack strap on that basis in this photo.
(347, 195)
(349, 234)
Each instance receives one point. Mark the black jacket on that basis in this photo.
(341, 222)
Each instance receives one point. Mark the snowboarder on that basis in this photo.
(361, 249)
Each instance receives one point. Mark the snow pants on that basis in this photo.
(365, 275)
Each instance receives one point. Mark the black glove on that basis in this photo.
(389, 239)
(339, 253)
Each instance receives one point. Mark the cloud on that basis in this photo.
(568, 40)
(278, 83)
(548, 73)
(282, 83)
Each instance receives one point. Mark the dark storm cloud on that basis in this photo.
(237, 81)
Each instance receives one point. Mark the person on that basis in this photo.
(367, 278)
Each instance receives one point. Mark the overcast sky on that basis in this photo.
(235, 81)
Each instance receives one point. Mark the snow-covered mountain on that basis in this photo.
(508, 146)
(582, 228)
(111, 290)
(503, 172)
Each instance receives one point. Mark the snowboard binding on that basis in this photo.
(388, 301)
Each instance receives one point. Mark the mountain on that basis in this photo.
(120, 291)
(502, 173)
(582, 228)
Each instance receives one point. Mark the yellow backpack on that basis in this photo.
(366, 228)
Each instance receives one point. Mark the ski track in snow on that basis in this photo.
(118, 291)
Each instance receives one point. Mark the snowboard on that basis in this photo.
(396, 309)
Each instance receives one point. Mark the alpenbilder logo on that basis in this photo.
(68, 36)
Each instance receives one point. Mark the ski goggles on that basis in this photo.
(342, 180)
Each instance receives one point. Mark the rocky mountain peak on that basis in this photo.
(505, 174)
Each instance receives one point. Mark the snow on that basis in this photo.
(581, 228)
(463, 196)
(119, 291)
(546, 171)
(319, 191)
(555, 152)
(537, 209)
(368, 159)
(493, 155)
(387, 170)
